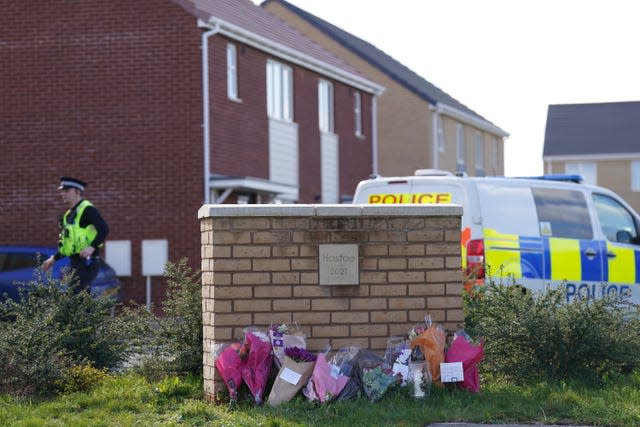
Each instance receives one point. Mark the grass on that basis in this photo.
(128, 400)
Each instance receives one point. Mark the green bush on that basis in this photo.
(52, 330)
(82, 378)
(176, 336)
(533, 336)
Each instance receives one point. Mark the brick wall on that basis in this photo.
(111, 92)
(260, 265)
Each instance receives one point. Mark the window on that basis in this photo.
(357, 111)
(479, 153)
(586, 169)
(232, 72)
(562, 213)
(325, 106)
(279, 91)
(615, 221)
(440, 137)
(460, 148)
(635, 175)
(496, 154)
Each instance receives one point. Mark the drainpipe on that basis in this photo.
(434, 136)
(374, 134)
(205, 107)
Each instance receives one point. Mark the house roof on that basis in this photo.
(250, 24)
(385, 63)
(592, 129)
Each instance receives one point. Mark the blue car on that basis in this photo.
(19, 265)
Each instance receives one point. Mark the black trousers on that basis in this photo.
(85, 272)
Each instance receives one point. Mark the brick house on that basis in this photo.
(599, 141)
(419, 125)
(163, 105)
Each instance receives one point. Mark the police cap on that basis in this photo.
(68, 182)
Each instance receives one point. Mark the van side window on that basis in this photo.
(563, 212)
(616, 221)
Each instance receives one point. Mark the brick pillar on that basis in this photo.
(261, 265)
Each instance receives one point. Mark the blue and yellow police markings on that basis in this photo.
(502, 254)
(621, 264)
(588, 268)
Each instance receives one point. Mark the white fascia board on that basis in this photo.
(294, 56)
(591, 157)
(467, 118)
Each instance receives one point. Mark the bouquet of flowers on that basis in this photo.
(296, 370)
(255, 371)
(326, 382)
(462, 350)
(431, 341)
(346, 361)
(376, 379)
(229, 363)
(285, 335)
(397, 357)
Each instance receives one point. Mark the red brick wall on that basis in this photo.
(110, 92)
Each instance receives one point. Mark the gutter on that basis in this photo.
(206, 126)
(294, 56)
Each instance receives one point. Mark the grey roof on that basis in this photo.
(588, 129)
(381, 60)
(260, 22)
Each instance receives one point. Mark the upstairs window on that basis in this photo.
(586, 169)
(325, 106)
(496, 154)
(635, 175)
(440, 137)
(460, 166)
(232, 72)
(479, 153)
(279, 91)
(357, 112)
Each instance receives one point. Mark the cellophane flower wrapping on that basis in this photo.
(326, 382)
(376, 379)
(296, 370)
(462, 350)
(432, 342)
(257, 366)
(229, 364)
(285, 335)
(397, 357)
(346, 359)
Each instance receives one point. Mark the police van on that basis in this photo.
(536, 231)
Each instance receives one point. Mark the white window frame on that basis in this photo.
(232, 71)
(496, 155)
(479, 151)
(440, 133)
(279, 91)
(635, 175)
(357, 112)
(325, 106)
(460, 148)
(588, 170)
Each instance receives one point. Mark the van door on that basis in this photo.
(622, 251)
(573, 253)
(512, 244)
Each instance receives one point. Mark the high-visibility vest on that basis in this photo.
(74, 238)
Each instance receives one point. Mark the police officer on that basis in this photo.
(82, 232)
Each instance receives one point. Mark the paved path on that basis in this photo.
(494, 425)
